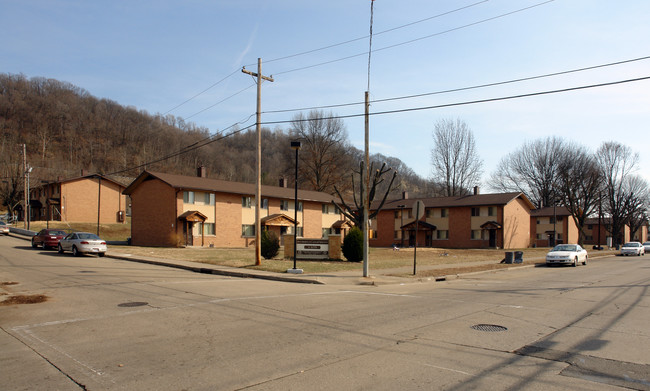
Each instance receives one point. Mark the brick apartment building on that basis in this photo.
(473, 221)
(84, 199)
(176, 210)
(550, 226)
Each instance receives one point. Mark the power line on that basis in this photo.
(416, 39)
(200, 93)
(466, 102)
(494, 84)
(379, 33)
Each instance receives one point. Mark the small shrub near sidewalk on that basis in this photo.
(270, 245)
(353, 245)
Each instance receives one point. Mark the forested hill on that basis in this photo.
(65, 130)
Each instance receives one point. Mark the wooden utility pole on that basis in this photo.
(258, 186)
(26, 208)
(365, 184)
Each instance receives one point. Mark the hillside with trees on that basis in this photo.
(67, 130)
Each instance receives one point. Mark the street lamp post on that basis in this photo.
(28, 198)
(295, 145)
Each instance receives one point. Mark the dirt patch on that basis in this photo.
(24, 299)
(467, 269)
(7, 283)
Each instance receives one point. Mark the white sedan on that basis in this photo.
(632, 248)
(82, 243)
(567, 254)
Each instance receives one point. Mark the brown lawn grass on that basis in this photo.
(112, 232)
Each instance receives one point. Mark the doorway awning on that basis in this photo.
(278, 220)
(421, 225)
(193, 216)
(341, 223)
(491, 225)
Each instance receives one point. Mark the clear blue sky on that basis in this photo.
(155, 55)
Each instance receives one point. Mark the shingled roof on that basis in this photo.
(195, 183)
(451, 202)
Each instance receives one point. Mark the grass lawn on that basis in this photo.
(379, 258)
(111, 232)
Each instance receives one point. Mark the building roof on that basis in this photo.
(120, 181)
(452, 202)
(548, 211)
(193, 183)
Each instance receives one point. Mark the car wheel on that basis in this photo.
(585, 261)
(60, 249)
(75, 252)
(575, 261)
(101, 254)
(639, 254)
(34, 245)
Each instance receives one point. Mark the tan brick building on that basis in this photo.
(177, 210)
(80, 200)
(550, 226)
(472, 221)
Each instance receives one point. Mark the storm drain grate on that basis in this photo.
(489, 327)
(133, 304)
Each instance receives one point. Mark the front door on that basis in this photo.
(493, 237)
(188, 227)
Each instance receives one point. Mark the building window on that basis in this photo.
(284, 205)
(397, 214)
(476, 211)
(265, 203)
(299, 231)
(209, 198)
(559, 218)
(540, 237)
(443, 212)
(589, 237)
(208, 229)
(410, 214)
(188, 197)
(442, 235)
(398, 235)
(589, 226)
(429, 213)
(539, 222)
(299, 206)
(248, 230)
(477, 234)
(492, 211)
(559, 236)
(246, 202)
(372, 234)
(327, 232)
(551, 220)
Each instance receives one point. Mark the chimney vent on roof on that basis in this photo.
(405, 195)
(84, 172)
(477, 190)
(201, 172)
(283, 182)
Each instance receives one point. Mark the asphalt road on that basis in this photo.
(112, 324)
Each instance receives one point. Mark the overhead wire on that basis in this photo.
(540, 93)
(494, 84)
(415, 40)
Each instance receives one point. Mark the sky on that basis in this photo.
(185, 59)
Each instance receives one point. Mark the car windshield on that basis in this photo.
(631, 245)
(87, 236)
(564, 247)
(57, 233)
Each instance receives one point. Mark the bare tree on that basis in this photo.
(322, 158)
(617, 164)
(533, 170)
(355, 212)
(454, 159)
(580, 185)
(638, 200)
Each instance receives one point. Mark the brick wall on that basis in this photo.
(153, 214)
(516, 225)
(79, 201)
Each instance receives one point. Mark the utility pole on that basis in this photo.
(258, 185)
(365, 183)
(26, 208)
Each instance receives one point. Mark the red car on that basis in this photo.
(48, 238)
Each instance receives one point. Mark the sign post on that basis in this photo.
(418, 212)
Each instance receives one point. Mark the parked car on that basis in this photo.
(646, 246)
(567, 254)
(632, 248)
(82, 243)
(48, 238)
(4, 228)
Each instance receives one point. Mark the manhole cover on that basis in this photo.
(133, 304)
(489, 327)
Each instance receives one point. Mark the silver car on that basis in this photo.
(82, 243)
(632, 248)
(567, 254)
(4, 228)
